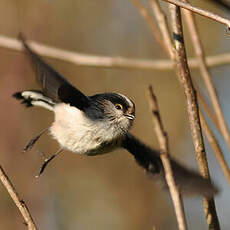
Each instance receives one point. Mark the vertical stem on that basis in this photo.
(190, 19)
(215, 146)
(163, 24)
(163, 142)
(145, 14)
(208, 109)
(193, 111)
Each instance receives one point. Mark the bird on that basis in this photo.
(98, 124)
(88, 125)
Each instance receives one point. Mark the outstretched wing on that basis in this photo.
(52, 83)
(188, 181)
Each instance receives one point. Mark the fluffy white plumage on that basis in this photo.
(76, 132)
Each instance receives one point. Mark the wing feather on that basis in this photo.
(53, 84)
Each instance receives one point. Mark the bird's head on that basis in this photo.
(113, 108)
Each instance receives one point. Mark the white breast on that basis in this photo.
(77, 133)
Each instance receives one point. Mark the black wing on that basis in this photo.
(188, 181)
(52, 83)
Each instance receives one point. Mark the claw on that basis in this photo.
(31, 143)
(46, 162)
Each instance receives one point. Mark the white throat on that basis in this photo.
(76, 132)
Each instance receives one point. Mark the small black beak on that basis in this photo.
(130, 116)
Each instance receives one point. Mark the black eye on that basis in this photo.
(119, 106)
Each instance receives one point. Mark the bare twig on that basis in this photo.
(205, 73)
(163, 142)
(163, 24)
(193, 111)
(145, 14)
(107, 61)
(216, 60)
(178, 55)
(201, 12)
(207, 108)
(211, 138)
(19, 202)
(219, 118)
(215, 146)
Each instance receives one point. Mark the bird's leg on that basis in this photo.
(46, 162)
(43, 155)
(31, 143)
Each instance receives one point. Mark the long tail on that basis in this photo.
(34, 98)
(188, 181)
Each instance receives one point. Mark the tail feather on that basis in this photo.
(26, 102)
(188, 181)
(34, 98)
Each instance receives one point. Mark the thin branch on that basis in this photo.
(184, 76)
(107, 61)
(163, 24)
(216, 60)
(163, 142)
(18, 201)
(206, 75)
(201, 12)
(210, 136)
(179, 58)
(145, 14)
(216, 147)
(208, 110)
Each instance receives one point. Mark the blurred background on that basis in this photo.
(108, 191)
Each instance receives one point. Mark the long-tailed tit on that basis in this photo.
(92, 125)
